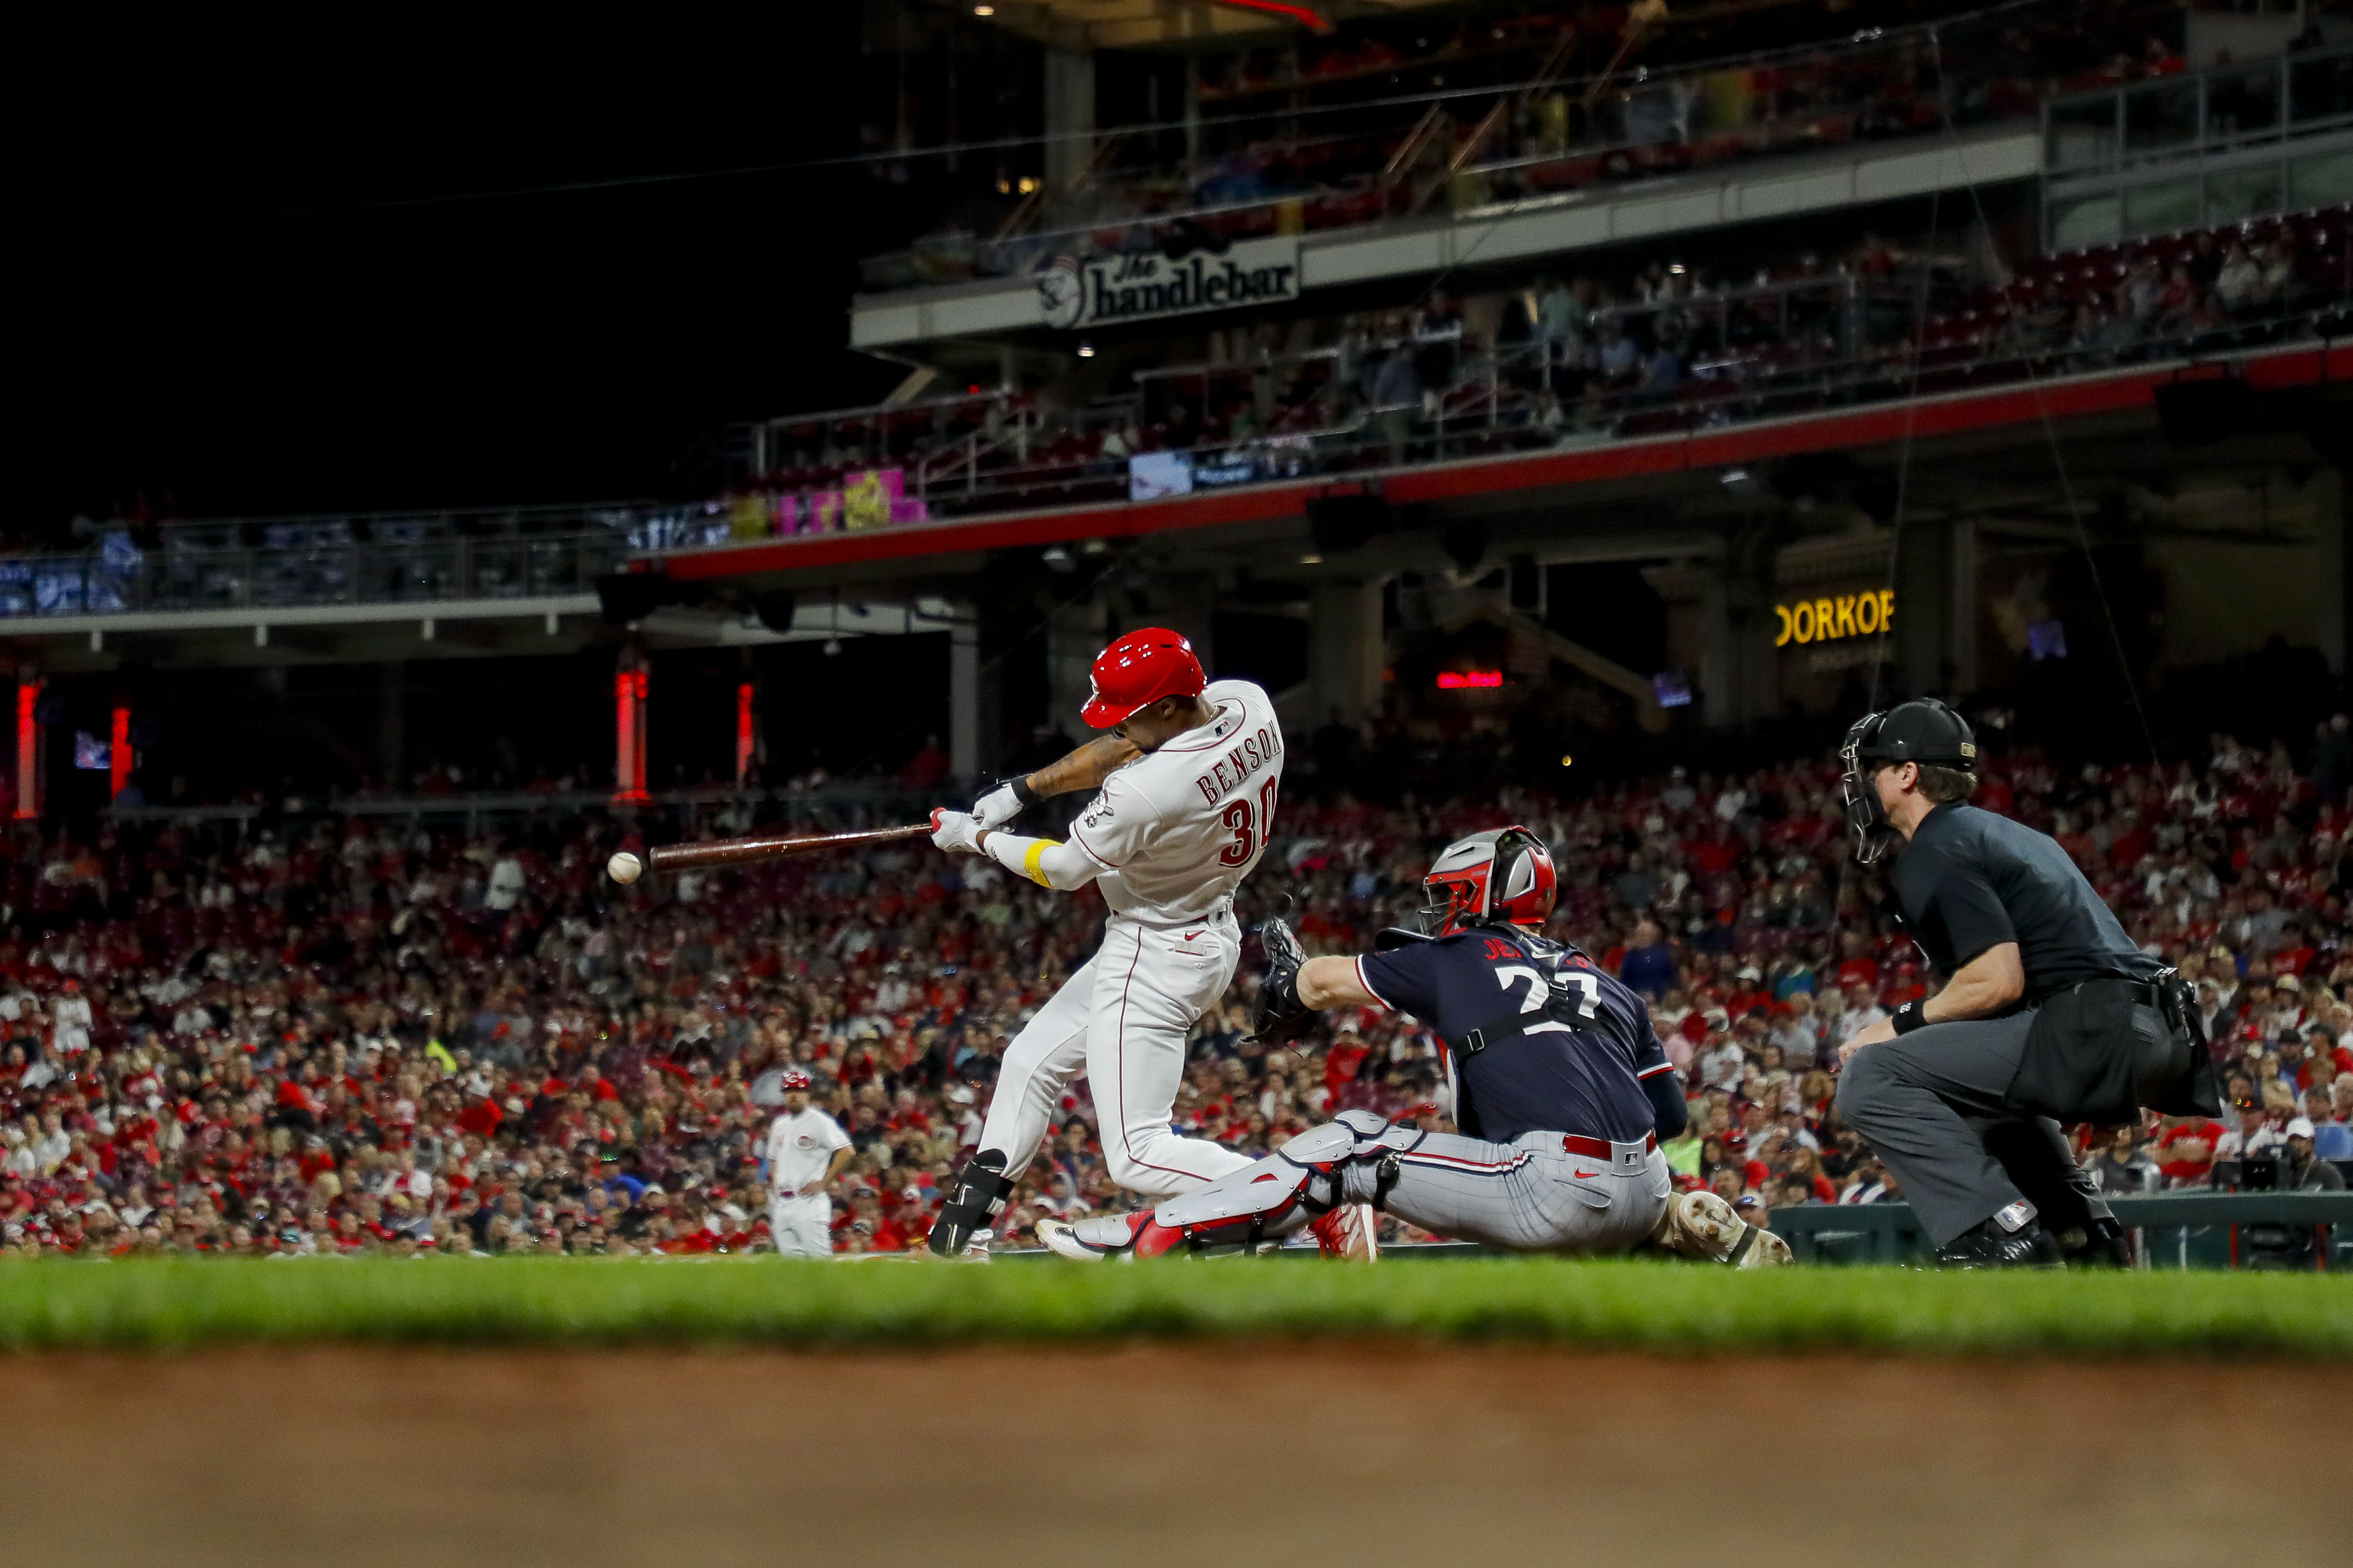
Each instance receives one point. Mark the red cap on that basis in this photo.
(793, 1078)
(1139, 669)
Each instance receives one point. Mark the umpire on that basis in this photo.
(2049, 1014)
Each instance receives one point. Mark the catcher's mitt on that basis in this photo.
(1278, 1013)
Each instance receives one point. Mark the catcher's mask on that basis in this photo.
(1505, 874)
(1923, 730)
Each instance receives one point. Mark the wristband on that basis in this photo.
(1022, 792)
(1909, 1016)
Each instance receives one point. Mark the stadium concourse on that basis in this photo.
(350, 1036)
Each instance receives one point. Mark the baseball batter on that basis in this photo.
(1187, 784)
(806, 1149)
(1559, 1085)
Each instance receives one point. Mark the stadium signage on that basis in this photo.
(1074, 294)
(1834, 616)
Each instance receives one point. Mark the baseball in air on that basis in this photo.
(625, 868)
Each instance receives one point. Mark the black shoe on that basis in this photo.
(2098, 1243)
(1987, 1246)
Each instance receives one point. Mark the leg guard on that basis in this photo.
(1350, 1161)
(966, 1218)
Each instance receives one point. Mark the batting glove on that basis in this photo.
(955, 832)
(1001, 804)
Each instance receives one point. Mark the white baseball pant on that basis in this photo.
(801, 1228)
(1124, 1016)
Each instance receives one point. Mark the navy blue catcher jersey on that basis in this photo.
(1578, 1070)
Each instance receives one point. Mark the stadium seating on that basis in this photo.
(353, 1035)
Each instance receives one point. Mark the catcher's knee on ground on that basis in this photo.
(1703, 1226)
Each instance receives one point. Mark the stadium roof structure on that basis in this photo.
(1130, 23)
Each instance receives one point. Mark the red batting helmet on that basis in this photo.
(1139, 669)
(1503, 874)
(793, 1078)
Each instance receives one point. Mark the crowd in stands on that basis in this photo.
(360, 1036)
(1582, 357)
(1385, 120)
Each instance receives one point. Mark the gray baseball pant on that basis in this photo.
(1532, 1194)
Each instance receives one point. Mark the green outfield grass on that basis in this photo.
(1644, 1306)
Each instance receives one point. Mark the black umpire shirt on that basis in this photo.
(1970, 880)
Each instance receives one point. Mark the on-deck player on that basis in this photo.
(1559, 1085)
(806, 1149)
(1186, 782)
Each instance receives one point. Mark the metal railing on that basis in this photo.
(1867, 350)
(120, 578)
(2199, 113)
(1339, 167)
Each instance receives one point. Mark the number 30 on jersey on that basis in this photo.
(1249, 820)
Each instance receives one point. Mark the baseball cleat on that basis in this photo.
(1989, 1244)
(1703, 1226)
(1348, 1233)
(1122, 1237)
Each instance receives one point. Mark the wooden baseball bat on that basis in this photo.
(769, 846)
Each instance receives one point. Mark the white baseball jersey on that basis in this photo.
(1177, 831)
(800, 1148)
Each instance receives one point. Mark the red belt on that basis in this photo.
(1602, 1148)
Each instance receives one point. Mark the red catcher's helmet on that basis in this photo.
(1503, 874)
(793, 1078)
(1139, 669)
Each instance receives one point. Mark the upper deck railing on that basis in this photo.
(1314, 167)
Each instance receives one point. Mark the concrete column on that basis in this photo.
(1187, 604)
(1937, 609)
(1345, 652)
(1069, 110)
(1739, 674)
(1192, 103)
(964, 694)
(2329, 495)
(1073, 636)
(1961, 608)
(1924, 572)
(392, 725)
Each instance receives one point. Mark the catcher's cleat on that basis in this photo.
(1348, 1233)
(1703, 1226)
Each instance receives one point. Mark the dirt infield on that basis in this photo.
(1160, 1455)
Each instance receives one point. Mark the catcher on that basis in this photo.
(1559, 1085)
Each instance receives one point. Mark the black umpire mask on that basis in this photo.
(1924, 730)
(1865, 817)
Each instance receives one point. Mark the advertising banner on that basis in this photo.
(1100, 291)
(1154, 475)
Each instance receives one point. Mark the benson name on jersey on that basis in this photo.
(1229, 772)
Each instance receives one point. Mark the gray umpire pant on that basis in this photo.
(1933, 1105)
